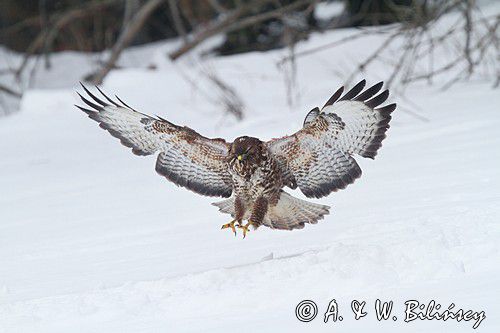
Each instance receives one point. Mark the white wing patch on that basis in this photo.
(319, 156)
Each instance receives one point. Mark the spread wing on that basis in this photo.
(185, 157)
(318, 158)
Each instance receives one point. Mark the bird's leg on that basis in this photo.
(259, 210)
(231, 225)
(239, 210)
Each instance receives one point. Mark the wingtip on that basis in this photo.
(87, 111)
(336, 95)
(118, 98)
(377, 100)
(107, 98)
(354, 91)
(89, 103)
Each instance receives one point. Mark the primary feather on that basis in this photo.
(185, 157)
(319, 156)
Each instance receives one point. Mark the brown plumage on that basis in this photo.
(318, 159)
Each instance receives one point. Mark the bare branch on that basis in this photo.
(327, 46)
(232, 22)
(217, 6)
(176, 17)
(46, 37)
(126, 38)
(232, 102)
(9, 91)
(468, 34)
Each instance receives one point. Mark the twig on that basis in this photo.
(323, 47)
(9, 91)
(176, 17)
(217, 6)
(373, 55)
(232, 22)
(468, 34)
(125, 39)
(228, 96)
(60, 21)
(215, 28)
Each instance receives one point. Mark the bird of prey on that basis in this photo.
(250, 173)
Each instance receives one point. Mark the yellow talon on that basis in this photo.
(230, 225)
(245, 228)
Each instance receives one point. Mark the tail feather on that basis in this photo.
(293, 213)
(226, 206)
(289, 213)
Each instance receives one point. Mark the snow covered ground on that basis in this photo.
(92, 240)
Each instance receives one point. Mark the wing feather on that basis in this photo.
(354, 91)
(370, 92)
(319, 157)
(185, 157)
(334, 97)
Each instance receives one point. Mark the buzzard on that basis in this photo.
(318, 159)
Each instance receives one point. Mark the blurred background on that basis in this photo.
(31, 32)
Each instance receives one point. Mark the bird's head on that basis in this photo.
(246, 149)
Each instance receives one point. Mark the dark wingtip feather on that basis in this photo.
(384, 122)
(162, 119)
(354, 91)
(370, 92)
(87, 111)
(131, 108)
(89, 103)
(334, 97)
(377, 100)
(373, 147)
(107, 98)
(387, 110)
(95, 98)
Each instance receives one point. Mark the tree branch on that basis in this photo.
(9, 91)
(46, 37)
(125, 39)
(232, 22)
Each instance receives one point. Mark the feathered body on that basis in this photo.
(252, 173)
(258, 197)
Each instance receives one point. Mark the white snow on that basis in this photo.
(327, 10)
(92, 240)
